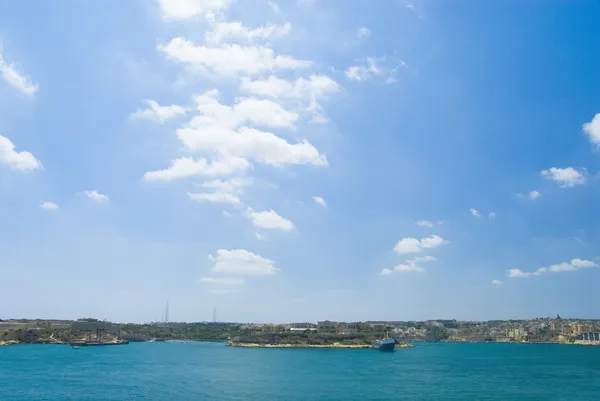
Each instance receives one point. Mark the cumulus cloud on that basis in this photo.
(218, 129)
(363, 32)
(236, 31)
(270, 220)
(49, 206)
(475, 213)
(414, 245)
(374, 67)
(260, 236)
(258, 112)
(497, 282)
(186, 9)
(592, 130)
(573, 265)
(492, 215)
(319, 201)
(23, 161)
(17, 80)
(305, 94)
(411, 265)
(96, 196)
(241, 262)
(565, 177)
(158, 113)
(218, 197)
(187, 167)
(228, 60)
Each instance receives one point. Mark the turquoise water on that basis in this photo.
(208, 371)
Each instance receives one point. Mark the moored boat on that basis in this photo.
(385, 345)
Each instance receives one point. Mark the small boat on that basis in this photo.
(386, 344)
(76, 346)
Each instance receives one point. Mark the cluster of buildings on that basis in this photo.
(534, 330)
(322, 327)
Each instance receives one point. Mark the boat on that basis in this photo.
(77, 344)
(386, 344)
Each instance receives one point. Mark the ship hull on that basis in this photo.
(384, 345)
(96, 343)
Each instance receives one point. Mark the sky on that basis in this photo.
(299, 160)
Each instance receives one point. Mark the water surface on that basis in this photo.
(210, 371)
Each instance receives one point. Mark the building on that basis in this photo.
(301, 327)
(327, 326)
(589, 336)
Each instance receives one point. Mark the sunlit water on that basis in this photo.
(203, 371)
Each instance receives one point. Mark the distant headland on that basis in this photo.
(323, 334)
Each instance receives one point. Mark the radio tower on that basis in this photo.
(167, 313)
(215, 314)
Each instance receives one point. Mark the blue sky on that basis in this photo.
(299, 160)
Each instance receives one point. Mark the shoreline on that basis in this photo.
(334, 345)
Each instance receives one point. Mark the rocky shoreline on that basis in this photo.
(334, 345)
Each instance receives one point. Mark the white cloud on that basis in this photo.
(229, 60)
(492, 215)
(411, 265)
(236, 31)
(592, 130)
(23, 161)
(17, 80)
(414, 245)
(574, 264)
(275, 7)
(49, 206)
(241, 262)
(185, 9)
(218, 197)
(408, 268)
(319, 201)
(424, 223)
(475, 213)
(307, 94)
(263, 147)
(223, 281)
(565, 177)
(270, 220)
(226, 214)
(260, 236)
(259, 112)
(158, 113)
(96, 196)
(374, 67)
(363, 32)
(516, 273)
(186, 167)
(497, 282)
(534, 195)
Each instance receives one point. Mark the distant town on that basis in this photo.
(541, 330)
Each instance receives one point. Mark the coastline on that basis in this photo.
(334, 345)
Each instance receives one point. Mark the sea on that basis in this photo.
(213, 371)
